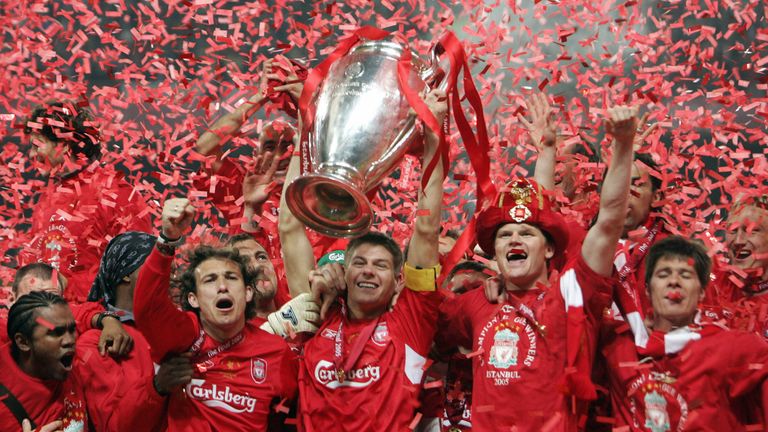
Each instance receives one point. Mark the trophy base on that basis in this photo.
(329, 205)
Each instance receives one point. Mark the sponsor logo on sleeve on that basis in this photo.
(220, 397)
(325, 374)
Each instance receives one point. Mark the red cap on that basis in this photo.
(521, 201)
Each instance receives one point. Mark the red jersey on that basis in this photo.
(43, 401)
(380, 391)
(690, 387)
(76, 218)
(235, 381)
(119, 393)
(520, 348)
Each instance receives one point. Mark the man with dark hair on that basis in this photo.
(363, 369)
(37, 382)
(693, 370)
(75, 214)
(466, 276)
(33, 277)
(535, 349)
(239, 369)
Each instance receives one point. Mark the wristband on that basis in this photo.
(168, 241)
(105, 314)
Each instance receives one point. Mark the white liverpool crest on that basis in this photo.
(504, 350)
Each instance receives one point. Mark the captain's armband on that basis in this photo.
(421, 279)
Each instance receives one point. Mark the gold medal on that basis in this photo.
(340, 375)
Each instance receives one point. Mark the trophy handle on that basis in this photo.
(435, 76)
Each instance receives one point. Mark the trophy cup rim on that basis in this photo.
(301, 210)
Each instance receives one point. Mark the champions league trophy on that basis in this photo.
(363, 125)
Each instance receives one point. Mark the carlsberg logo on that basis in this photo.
(223, 398)
(325, 373)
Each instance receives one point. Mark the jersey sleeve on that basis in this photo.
(84, 313)
(748, 364)
(416, 312)
(580, 286)
(167, 329)
(454, 325)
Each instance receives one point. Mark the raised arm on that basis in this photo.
(298, 257)
(423, 248)
(600, 243)
(543, 132)
(166, 328)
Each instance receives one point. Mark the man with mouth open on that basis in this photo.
(37, 383)
(691, 370)
(533, 351)
(741, 287)
(240, 370)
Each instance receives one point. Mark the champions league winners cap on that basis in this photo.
(522, 201)
(336, 256)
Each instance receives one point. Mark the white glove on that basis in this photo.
(301, 314)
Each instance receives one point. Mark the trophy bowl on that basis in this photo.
(363, 125)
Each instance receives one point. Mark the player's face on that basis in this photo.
(259, 261)
(221, 294)
(370, 278)
(44, 153)
(522, 252)
(747, 239)
(30, 283)
(51, 347)
(675, 290)
(640, 199)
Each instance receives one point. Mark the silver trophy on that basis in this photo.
(363, 126)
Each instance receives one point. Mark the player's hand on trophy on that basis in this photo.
(281, 72)
(325, 284)
(437, 102)
(259, 178)
(541, 126)
(177, 217)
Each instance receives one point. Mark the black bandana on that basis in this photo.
(124, 254)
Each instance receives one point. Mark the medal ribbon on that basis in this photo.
(343, 366)
(226, 345)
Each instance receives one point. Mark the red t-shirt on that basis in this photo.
(519, 364)
(75, 219)
(119, 392)
(235, 382)
(380, 392)
(44, 401)
(691, 390)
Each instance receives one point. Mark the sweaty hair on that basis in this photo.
(84, 138)
(39, 270)
(23, 314)
(683, 248)
(379, 239)
(204, 253)
(647, 160)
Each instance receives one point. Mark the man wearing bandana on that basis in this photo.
(124, 393)
(532, 352)
(692, 372)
